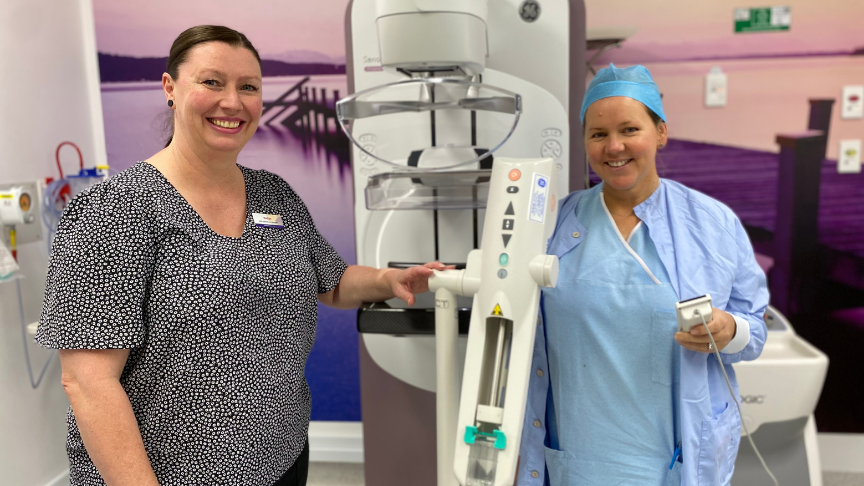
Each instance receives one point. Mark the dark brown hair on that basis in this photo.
(190, 38)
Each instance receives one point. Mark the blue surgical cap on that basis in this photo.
(633, 82)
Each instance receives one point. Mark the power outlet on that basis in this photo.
(31, 232)
(716, 87)
(849, 161)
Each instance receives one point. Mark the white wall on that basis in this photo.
(49, 93)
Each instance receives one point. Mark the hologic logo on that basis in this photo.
(753, 399)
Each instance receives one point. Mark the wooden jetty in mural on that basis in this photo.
(311, 113)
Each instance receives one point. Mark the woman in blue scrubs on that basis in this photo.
(619, 397)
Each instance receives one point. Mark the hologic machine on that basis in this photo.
(779, 392)
(450, 99)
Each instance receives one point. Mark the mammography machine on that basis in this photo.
(442, 90)
(448, 97)
(779, 392)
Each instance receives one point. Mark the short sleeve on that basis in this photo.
(101, 262)
(329, 266)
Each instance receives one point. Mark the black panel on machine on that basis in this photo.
(380, 318)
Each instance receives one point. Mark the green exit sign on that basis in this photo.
(765, 19)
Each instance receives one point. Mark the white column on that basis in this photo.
(447, 380)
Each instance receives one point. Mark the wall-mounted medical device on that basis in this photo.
(16, 206)
(20, 210)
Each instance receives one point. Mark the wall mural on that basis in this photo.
(303, 64)
(729, 153)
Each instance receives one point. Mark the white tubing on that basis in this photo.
(447, 380)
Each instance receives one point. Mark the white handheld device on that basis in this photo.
(692, 311)
(698, 310)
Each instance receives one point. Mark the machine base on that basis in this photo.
(399, 445)
(787, 449)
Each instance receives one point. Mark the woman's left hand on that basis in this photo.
(722, 327)
(415, 280)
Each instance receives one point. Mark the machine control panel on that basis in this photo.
(504, 312)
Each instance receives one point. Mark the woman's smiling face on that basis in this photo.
(217, 97)
(621, 141)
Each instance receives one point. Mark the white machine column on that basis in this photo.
(447, 382)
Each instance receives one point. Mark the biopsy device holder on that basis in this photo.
(690, 312)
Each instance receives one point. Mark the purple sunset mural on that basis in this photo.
(730, 153)
(302, 50)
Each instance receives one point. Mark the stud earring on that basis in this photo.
(661, 146)
(170, 103)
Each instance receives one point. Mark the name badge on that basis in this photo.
(267, 220)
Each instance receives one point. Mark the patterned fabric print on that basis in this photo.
(219, 328)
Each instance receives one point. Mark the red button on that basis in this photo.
(515, 175)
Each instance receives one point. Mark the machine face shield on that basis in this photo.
(412, 107)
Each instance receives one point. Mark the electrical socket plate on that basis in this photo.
(849, 161)
(716, 85)
(32, 232)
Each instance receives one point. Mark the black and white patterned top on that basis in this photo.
(219, 328)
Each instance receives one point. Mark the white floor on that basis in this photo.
(336, 473)
(843, 479)
(340, 474)
(351, 474)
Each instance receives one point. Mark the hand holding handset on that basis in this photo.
(691, 312)
(698, 310)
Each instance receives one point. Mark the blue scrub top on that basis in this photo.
(610, 324)
(703, 249)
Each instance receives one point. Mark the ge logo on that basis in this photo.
(541, 182)
(529, 10)
(753, 399)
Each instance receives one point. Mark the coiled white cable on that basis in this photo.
(34, 383)
(732, 392)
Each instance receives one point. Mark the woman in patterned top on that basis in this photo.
(182, 296)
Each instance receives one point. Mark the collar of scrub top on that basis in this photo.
(569, 232)
(633, 82)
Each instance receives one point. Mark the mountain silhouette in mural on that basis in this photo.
(116, 68)
(305, 56)
(736, 48)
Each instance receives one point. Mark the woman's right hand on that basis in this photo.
(722, 326)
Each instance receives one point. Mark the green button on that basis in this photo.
(503, 259)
